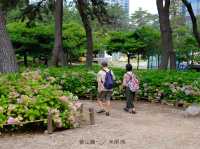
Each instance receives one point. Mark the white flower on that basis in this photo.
(183, 88)
(145, 84)
(75, 98)
(62, 82)
(51, 79)
(19, 100)
(70, 96)
(174, 90)
(178, 88)
(166, 84)
(171, 86)
(11, 107)
(187, 92)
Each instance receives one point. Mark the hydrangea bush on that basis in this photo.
(170, 86)
(28, 96)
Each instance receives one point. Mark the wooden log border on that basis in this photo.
(50, 125)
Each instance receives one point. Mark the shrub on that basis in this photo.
(154, 84)
(28, 96)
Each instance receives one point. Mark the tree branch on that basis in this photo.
(167, 4)
(194, 20)
(159, 4)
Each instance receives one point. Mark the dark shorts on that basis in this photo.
(104, 95)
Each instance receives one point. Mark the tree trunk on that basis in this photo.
(46, 61)
(58, 52)
(192, 57)
(129, 58)
(89, 57)
(67, 56)
(179, 64)
(34, 60)
(194, 20)
(148, 62)
(158, 61)
(82, 8)
(8, 62)
(166, 35)
(172, 60)
(151, 62)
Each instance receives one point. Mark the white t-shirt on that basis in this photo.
(101, 79)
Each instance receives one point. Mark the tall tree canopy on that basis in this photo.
(142, 18)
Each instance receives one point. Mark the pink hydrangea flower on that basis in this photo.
(64, 99)
(11, 120)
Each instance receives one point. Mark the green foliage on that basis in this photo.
(144, 40)
(6, 5)
(123, 42)
(142, 18)
(39, 40)
(155, 84)
(119, 19)
(78, 81)
(170, 85)
(185, 44)
(74, 39)
(151, 37)
(36, 40)
(100, 41)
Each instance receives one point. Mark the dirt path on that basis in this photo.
(153, 127)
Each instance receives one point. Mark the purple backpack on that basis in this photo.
(109, 82)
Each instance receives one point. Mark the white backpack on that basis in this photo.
(133, 83)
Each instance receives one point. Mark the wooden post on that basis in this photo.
(91, 113)
(50, 123)
(81, 109)
(90, 96)
(81, 114)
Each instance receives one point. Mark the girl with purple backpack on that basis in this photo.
(131, 85)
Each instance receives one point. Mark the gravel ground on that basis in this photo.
(153, 127)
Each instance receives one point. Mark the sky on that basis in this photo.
(149, 5)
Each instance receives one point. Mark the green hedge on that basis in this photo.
(154, 84)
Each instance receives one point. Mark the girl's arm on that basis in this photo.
(124, 84)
